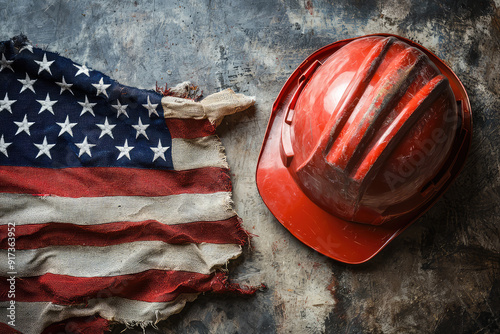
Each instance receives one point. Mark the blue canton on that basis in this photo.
(55, 113)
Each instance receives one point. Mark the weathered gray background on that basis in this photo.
(441, 276)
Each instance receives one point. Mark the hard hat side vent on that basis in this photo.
(286, 148)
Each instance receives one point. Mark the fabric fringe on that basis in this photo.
(15, 44)
(223, 285)
(185, 90)
(222, 152)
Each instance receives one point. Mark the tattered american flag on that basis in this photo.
(115, 202)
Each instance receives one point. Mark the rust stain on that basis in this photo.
(274, 247)
(309, 7)
(332, 287)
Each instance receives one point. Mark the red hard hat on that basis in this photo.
(363, 138)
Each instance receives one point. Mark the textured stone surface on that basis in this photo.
(440, 276)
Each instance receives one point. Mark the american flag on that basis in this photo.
(117, 200)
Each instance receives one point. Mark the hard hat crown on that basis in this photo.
(368, 133)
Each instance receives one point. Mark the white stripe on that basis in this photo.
(177, 107)
(214, 107)
(33, 318)
(175, 209)
(197, 153)
(122, 259)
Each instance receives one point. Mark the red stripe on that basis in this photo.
(6, 329)
(33, 236)
(112, 181)
(83, 325)
(148, 286)
(189, 128)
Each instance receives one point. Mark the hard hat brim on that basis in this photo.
(336, 238)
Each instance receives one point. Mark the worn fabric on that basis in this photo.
(118, 205)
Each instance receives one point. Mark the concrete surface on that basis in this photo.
(441, 276)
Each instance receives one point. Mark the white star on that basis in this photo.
(124, 150)
(64, 86)
(3, 146)
(84, 147)
(151, 108)
(81, 69)
(6, 103)
(101, 88)
(4, 63)
(106, 128)
(66, 127)
(44, 64)
(47, 104)
(87, 106)
(159, 151)
(27, 83)
(24, 126)
(44, 148)
(121, 109)
(28, 47)
(141, 129)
